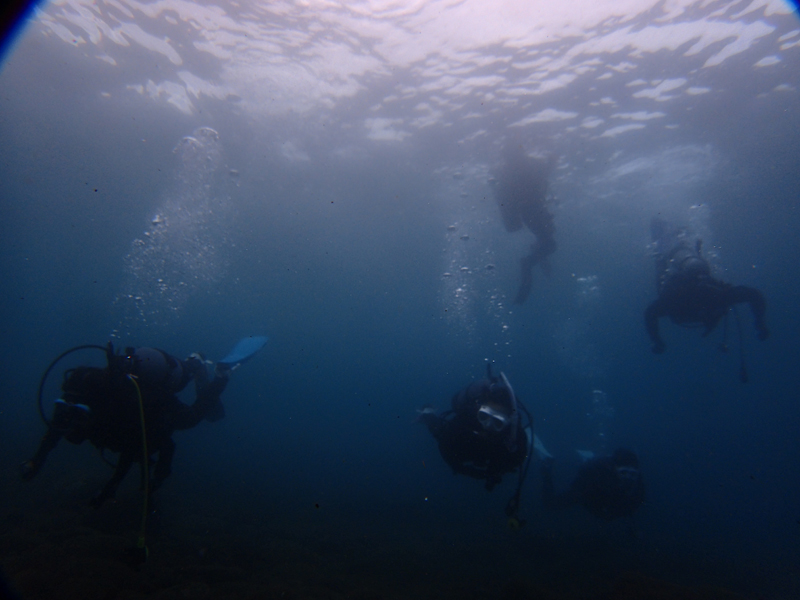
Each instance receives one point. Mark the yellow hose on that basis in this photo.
(145, 467)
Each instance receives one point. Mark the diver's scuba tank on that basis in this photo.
(685, 262)
(151, 366)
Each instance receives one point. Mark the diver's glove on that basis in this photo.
(659, 347)
(28, 470)
(222, 371)
(195, 363)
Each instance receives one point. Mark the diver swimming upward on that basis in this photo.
(521, 194)
(690, 296)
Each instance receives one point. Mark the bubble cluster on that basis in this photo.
(578, 351)
(588, 293)
(601, 413)
(574, 337)
(179, 255)
(473, 303)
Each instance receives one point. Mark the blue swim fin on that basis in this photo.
(245, 349)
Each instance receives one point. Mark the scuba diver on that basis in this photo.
(521, 194)
(483, 435)
(689, 295)
(609, 487)
(130, 407)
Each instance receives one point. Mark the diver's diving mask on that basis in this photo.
(492, 419)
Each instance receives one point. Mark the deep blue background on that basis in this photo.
(340, 264)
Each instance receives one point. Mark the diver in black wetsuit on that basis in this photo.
(110, 406)
(609, 487)
(483, 436)
(521, 193)
(687, 293)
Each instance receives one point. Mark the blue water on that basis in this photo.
(339, 257)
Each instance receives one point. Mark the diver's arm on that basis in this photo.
(451, 458)
(454, 459)
(30, 468)
(500, 464)
(526, 265)
(435, 424)
(462, 468)
(207, 396)
(654, 311)
(739, 294)
(469, 470)
(449, 434)
(124, 462)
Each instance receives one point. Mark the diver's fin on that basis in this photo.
(244, 350)
(586, 455)
(541, 451)
(425, 414)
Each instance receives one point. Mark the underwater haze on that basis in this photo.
(182, 174)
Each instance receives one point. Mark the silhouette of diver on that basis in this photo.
(102, 405)
(609, 487)
(486, 434)
(521, 192)
(687, 293)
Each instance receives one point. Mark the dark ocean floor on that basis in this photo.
(57, 547)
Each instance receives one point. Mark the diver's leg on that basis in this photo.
(123, 466)
(163, 465)
(207, 404)
(545, 246)
(209, 399)
(526, 264)
(546, 267)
